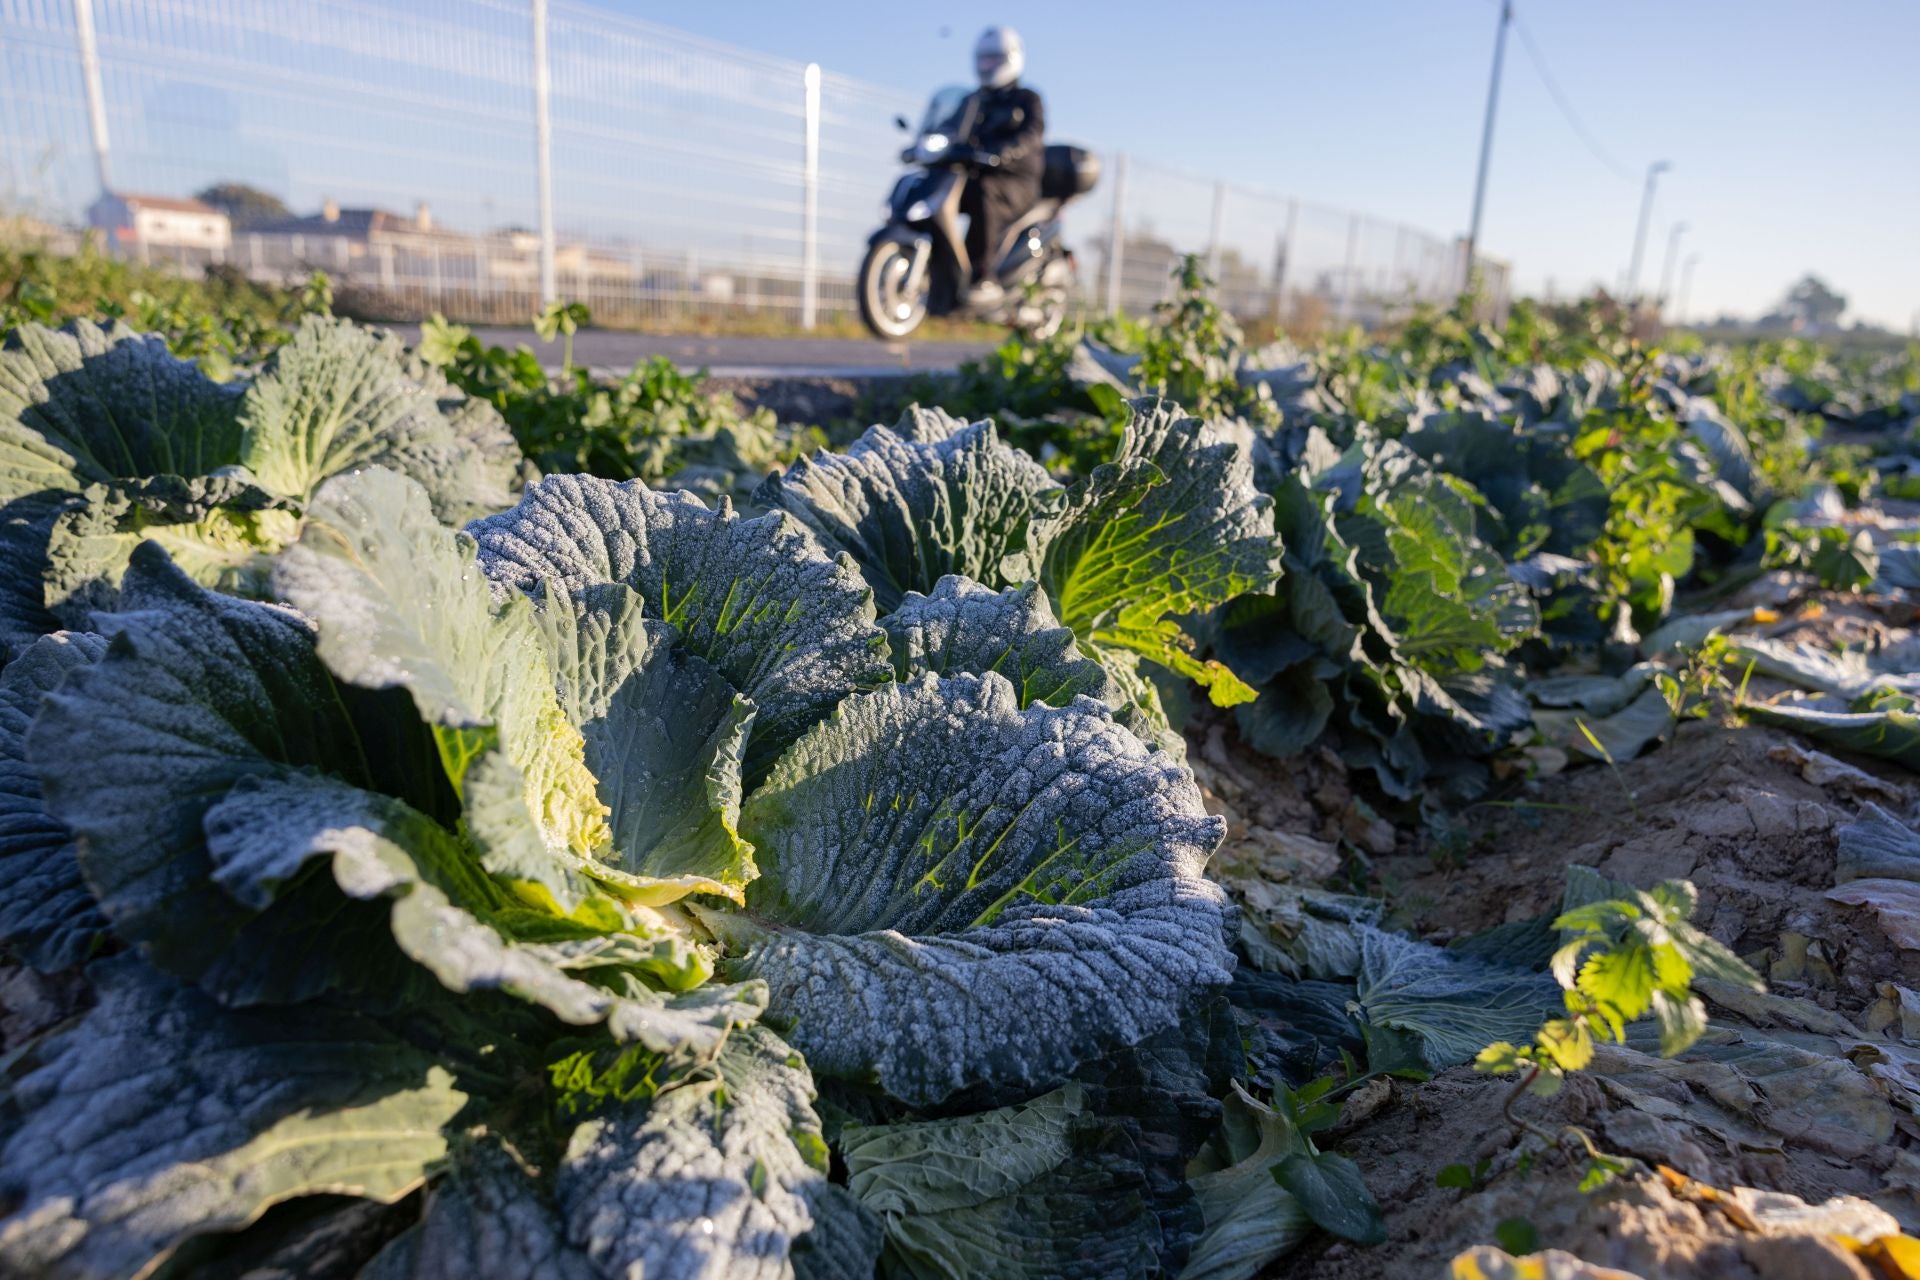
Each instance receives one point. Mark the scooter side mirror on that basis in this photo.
(900, 122)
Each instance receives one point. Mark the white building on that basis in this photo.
(387, 251)
(136, 223)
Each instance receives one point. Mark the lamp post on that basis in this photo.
(1654, 171)
(1666, 267)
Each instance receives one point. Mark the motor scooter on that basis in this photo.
(917, 265)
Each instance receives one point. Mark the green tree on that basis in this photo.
(243, 204)
(1814, 302)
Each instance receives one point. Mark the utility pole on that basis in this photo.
(1666, 266)
(96, 97)
(543, 153)
(1654, 171)
(1213, 233)
(1486, 140)
(1686, 288)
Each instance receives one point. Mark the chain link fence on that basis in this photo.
(688, 177)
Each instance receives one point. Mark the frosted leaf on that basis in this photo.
(915, 503)
(195, 692)
(160, 1116)
(956, 890)
(83, 405)
(790, 627)
(717, 1178)
(338, 397)
(1172, 526)
(400, 602)
(453, 920)
(664, 735)
(962, 627)
(48, 914)
(1457, 1006)
(486, 1220)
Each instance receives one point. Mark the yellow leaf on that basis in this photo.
(1896, 1257)
(1688, 1189)
(1567, 1043)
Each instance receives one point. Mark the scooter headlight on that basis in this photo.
(931, 147)
(919, 211)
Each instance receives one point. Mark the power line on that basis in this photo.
(1566, 108)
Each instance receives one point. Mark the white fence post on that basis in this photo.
(543, 152)
(96, 96)
(810, 202)
(1117, 233)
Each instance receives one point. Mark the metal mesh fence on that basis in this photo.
(402, 139)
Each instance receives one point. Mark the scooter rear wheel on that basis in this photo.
(885, 306)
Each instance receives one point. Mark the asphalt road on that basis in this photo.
(607, 349)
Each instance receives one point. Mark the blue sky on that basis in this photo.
(1793, 129)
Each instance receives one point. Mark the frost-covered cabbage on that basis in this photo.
(107, 440)
(1171, 527)
(557, 866)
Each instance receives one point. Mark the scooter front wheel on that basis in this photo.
(886, 306)
(1043, 312)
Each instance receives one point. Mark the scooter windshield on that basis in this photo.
(943, 110)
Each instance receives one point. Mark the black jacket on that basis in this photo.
(1011, 124)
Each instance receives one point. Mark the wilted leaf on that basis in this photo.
(1332, 1192)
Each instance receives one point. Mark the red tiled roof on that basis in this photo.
(170, 204)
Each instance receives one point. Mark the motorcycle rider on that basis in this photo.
(1007, 149)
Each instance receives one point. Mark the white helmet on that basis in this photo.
(999, 57)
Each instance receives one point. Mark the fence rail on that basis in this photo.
(686, 176)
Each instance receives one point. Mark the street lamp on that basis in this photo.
(1654, 171)
(1686, 287)
(1666, 267)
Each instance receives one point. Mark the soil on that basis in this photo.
(1722, 805)
(1780, 1096)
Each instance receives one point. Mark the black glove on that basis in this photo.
(966, 153)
